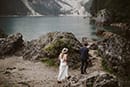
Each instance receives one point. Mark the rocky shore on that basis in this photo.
(109, 60)
(50, 45)
(2, 34)
(27, 63)
(115, 52)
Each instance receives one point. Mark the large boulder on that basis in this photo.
(106, 80)
(11, 44)
(95, 79)
(2, 34)
(50, 46)
(33, 50)
(103, 17)
(115, 52)
(103, 33)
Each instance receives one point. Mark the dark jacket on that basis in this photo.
(84, 53)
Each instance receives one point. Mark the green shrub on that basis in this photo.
(55, 48)
(49, 62)
(106, 68)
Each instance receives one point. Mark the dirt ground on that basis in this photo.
(16, 72)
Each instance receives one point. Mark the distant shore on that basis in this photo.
(43, 15)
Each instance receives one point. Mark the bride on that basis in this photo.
(63, 68)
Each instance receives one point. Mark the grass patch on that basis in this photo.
(50, 62)
(53, 49)
(106, 68)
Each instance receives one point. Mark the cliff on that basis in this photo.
(12, 7)
(120, 9)
(42, 7)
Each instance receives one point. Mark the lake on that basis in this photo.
(34, 27)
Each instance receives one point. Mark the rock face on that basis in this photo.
(95, 79)
(103, 33)
(106, 80)
(51, 45)
(43, 7)
(88, 5)
(120, 10)
(33, 50)
(11, 44)
(103, 17)
(115, 51)
(13, 7)
(58, 7)
(2, 34)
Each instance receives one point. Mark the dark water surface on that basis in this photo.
(33, 27)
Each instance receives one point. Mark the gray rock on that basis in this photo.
(115, 52)
(99, 32)
(93, 46)
(11, 44)
(2, 33)
(95, 79)
(50, 46)
(32, 50)
(103, 33)
(106, 80)
(104, 17)
(91, 43)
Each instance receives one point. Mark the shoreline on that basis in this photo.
(46, 16)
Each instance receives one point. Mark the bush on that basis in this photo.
(53, 49)
(49, 62)
(106, 68)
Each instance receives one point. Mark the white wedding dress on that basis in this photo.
(63, 70)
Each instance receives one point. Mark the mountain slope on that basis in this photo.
(13, 7)
(33, 12)
(58, 7)
(42, 7)
(45, 7)
(120, 8)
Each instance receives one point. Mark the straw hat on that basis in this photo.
(64, 50)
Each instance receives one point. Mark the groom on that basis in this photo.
(84, 56)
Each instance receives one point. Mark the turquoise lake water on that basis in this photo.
(34, 27)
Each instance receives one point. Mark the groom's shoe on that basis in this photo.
(68, 77)
(82, 72)
(85, 72)
(58, 81)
